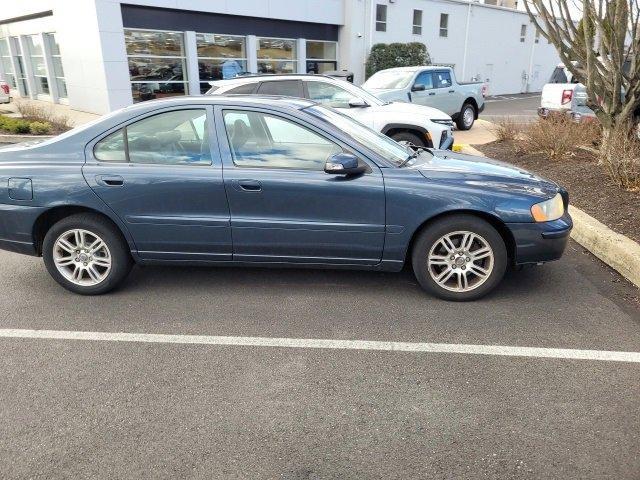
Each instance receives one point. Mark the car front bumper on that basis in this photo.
(446, 141)
(540, 242)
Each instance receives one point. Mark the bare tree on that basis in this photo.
(599, 43)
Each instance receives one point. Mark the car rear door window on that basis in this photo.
(287, 88)
(442, 79)
(262, 140)
(179, 137)
(111, 148)
(172, 138)
(246, 89)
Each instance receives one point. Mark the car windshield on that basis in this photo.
(377, 142)
(390, 79)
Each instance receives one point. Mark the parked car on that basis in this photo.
(268, 181)
(4, 92)
(432, 86)
(564, 95)
(405, 123)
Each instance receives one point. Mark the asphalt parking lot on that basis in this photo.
(114, 409)
(520, 107)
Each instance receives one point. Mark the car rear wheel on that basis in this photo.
(86, 254)
(459, 258)
(467, 117)
(409, 139)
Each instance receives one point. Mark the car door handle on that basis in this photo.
(452, 91)
(247, 185)
(432, 93)
(110, 180)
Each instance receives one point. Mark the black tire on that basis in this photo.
(460, 123)
(121, 261)
(433, 232)
(410, 138)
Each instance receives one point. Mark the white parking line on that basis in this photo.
(536, 352)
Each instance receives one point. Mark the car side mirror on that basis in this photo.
(418, 87)
(343, 164)
(357, 102)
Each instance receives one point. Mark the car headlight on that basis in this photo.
(548, 210)
(443, 121)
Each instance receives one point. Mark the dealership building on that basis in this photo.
(100, 55)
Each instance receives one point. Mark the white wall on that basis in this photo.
(494, 50)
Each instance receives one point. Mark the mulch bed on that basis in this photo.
(589, 187)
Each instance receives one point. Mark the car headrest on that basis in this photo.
(241, 133)
(171, 136)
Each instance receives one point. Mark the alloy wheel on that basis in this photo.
(460, 261)
(82, 257)
(468, 116)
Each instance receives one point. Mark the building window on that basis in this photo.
(56, 60)
(156, 64)
(321, 56)
(21, 76)
(5, 61)
(537, 36)
(36, 57)
(417, 22)
(276, 55)
(523, 33)
(220, 57)
(381, 18)
(444, 24)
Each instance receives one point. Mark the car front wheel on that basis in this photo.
(460, 258)
(409, 139)
(86, 254)
(467, 117)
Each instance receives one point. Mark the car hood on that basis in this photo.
(388, 93)
(482, 172)
(402, 108)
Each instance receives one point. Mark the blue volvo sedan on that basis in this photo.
(269, 181)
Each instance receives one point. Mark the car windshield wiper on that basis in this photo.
(411, 156)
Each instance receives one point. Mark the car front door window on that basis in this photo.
(261, 140)
(426, 79)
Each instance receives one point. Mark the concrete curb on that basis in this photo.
(619, 252)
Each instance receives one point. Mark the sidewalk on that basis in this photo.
(76, 117)
(480, 133)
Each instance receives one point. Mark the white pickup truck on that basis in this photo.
(565, 95)
(432, 86)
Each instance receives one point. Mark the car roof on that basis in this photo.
(269, 77)
(117, 117)
(414, 68)
(248, 100)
